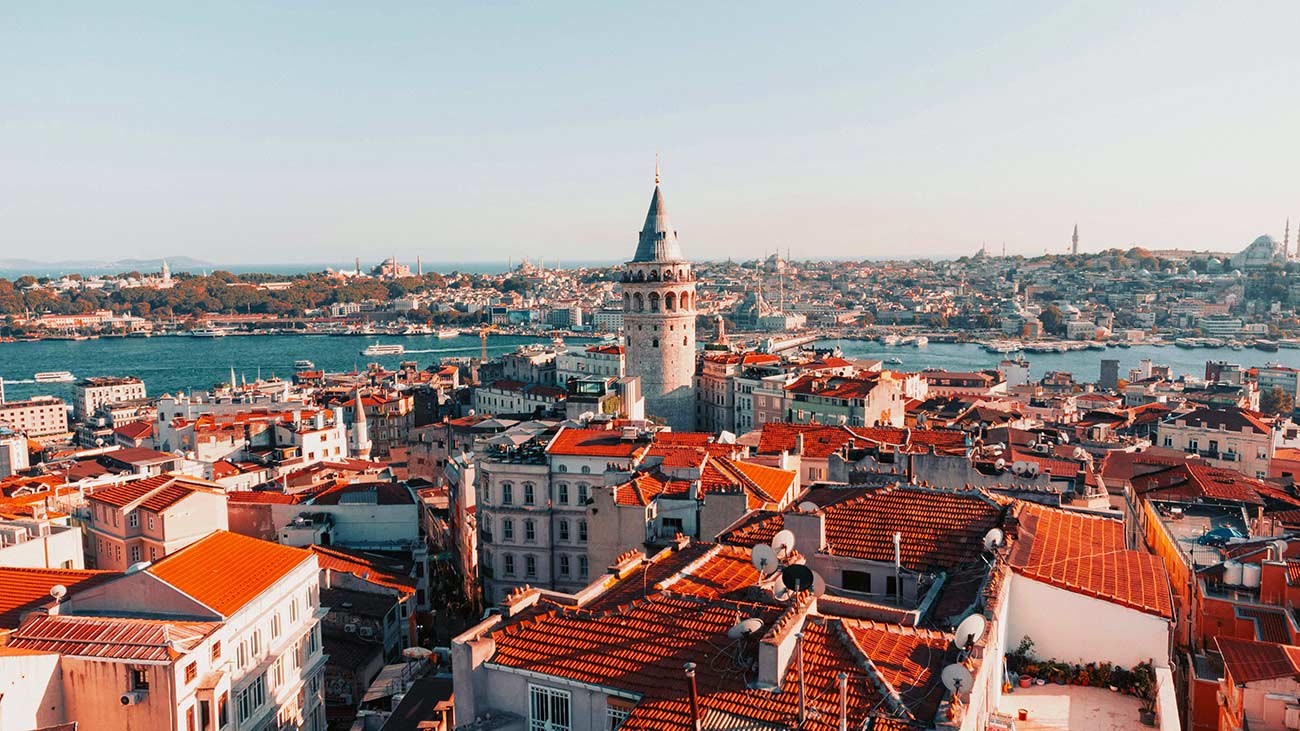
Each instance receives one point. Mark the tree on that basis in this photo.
(1276, 402)
(1053, 320)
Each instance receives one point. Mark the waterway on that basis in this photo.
(175, 363)
(169, 364)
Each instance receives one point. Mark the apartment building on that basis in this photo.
(148, 519)
(180, 645)
(92, 393)
(1233, 438)
(40, 416)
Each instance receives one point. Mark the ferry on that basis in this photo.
(303, 365)
(54, 377)
(448, 333)
(894, 360)
(209, 332)
(378, 349)
(890, 340)
(921, 341)
(1289, 343)
(1268, 346)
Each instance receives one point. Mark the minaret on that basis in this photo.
(419, 266)
(166, 274)
(659, 318)
(360, 431)
(1074, 241)
(1286, 241)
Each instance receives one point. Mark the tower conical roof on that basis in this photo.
(658, 239)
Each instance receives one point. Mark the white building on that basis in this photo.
(95, 392)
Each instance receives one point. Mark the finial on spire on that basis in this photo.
(656, 168)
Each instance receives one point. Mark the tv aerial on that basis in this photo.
(764, 559)
(957, 678)
(783, 543)
(970, 630)
(797, 577)
(993, 539)
(745, 628)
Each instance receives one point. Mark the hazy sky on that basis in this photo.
(293, 131)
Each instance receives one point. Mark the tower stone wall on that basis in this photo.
(659, 320)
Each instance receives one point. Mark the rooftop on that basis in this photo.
(203, 570)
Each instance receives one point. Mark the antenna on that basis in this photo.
(745, 628)
(993, 539)
(970, 629)
(797, 577)
(783, 543)
(956, 677)
(808, 506)
(764, 559)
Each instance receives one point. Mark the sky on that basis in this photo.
(309, 132)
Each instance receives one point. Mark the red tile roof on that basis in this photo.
(135, 430)
(375, 568)
(595, 443)
(1248, 661)
(225, 571)
(1087, 554)
(1271, 625)
(109, 637)
(22, 590)
(940, 529)
(818, 441)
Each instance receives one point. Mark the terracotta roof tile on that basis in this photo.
(595, 443)
(22, 590)
(109, 637)
(375, 568)
(1248, 661)
(225, 571)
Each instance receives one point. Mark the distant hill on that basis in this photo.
(19, 267)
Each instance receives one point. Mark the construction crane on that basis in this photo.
(482, 336)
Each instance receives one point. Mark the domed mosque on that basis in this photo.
(1261, 253)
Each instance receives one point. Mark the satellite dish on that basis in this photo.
(797, 577)
(417, 653)
(1001, 464)
(993, 539)
(970, 629)
(957, 678)
(764, 559)
(819, 584)
(781, 592)
(1280, 546)
(745, 627)
(783, 543)
(137, 567)
(58, 591)
(808, 506)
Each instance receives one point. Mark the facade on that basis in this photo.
(148, 519)
(1234, 438)
(93, 393)
(13, 452)
(605, 360)
(659, 319)
(41, 416)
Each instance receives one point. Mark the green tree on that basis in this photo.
(1053, 320)
(1276, 402)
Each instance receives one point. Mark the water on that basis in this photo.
(170, 364)
(1084, 364)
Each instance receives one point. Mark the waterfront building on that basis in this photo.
(659, 319)
(93, 393)
(1234, 438)
(40, 416)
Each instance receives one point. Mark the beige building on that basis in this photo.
(41, 416)
(148, 519)
(1232, 438)
(178, 645)
(93, 393)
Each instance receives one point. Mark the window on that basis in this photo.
(507, 530)
(150, 522)
(139, 679)
(529, 496)
(189, 719)
(507, 493)
(153, 553)
(891, 586)
(530, 567)
(564, 530)
(277, 673)
(548, 709)
(564, 564)
(859, 581)
(191, 671)
(563, 489)
(508, 565)
(582, 567)
(586, 470)
(252, 698)
(293, 610)
(562, 468)
(616, 712)
(582, 493)
(216, 650)
(1169, 441)
(530, 532)
(223, 713)
(135, 554)
(582, 531)
(133, 519)
(275, 625)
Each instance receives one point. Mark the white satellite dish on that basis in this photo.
(417, 653)
(137, 567)
(780, 591)
(1280, 546)
(993, 539)
(783, 543)
(764, 559)
(970, 630)
(808, 506)
(957, 678)
(58, 591)
(819, 584)
(1001, 464)
(745, 627)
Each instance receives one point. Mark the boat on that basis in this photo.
(54, 377)
(1185, 342)
(209, 332)
(448, 333)
(1268, 346)
(921, 341)
(378, 349)
(894, 360)
(303, 365)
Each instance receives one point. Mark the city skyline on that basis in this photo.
(264, 135)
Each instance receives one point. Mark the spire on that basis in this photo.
(361, 411)
(1286, 239)
(656, 170)
(658, 240)
(1074, 240)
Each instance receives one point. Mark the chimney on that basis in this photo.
(809, 530)
(777, 648)
(844, 701)
(695, 700)
(798, 444)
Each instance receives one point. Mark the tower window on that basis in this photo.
(683, 340)
(654, 343)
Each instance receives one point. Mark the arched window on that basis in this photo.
(638, 303)
(683, 340)
(507, 493)
(627, 300)
(639, 276)
(562, 468)
(654, 275)
(654, 343)
(668, 275)
(686, 301)
(654, 301)
(670, 302)
(529, 494)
